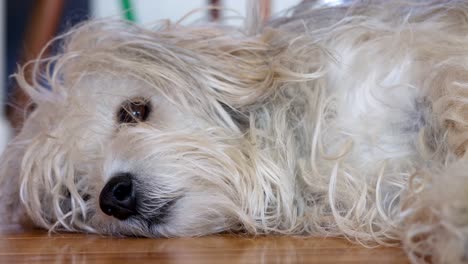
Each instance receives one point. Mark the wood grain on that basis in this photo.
(19, 245)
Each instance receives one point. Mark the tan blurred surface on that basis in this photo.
(19, 245)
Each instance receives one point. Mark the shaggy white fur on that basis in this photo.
(329, 121)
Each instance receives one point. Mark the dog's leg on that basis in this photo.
(436, 211)
(449, 97)
(435, 215)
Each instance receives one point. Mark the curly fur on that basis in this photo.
(328, 121)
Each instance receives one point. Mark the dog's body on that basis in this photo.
(345, 121)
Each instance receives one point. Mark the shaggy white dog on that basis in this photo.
(330, 121)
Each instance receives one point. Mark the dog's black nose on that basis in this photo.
(117, 198)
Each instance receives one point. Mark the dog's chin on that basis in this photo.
(168, 221)
(157, 217)
(180, 217)
(143, 223)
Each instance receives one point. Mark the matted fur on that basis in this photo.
(329, 121)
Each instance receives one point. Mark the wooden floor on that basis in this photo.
(36, 246)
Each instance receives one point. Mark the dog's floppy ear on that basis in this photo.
(239, 68)
(240, 72)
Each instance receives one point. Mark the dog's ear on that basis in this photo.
(240, 73)
(240, 70)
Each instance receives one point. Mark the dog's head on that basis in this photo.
(146, 133)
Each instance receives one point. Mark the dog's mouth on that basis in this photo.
(160, 215)
(124, 197)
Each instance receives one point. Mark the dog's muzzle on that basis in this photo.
(117, 198)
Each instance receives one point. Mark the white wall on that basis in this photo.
(149, 11)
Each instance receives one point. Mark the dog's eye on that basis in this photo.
(133, 111)
(30, 108)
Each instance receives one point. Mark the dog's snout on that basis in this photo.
(117, 198)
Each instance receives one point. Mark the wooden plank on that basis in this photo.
(19, 245)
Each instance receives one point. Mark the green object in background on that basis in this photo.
(128, 10)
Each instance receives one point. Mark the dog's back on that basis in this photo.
(392, 114)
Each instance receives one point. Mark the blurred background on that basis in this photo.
(29, 24)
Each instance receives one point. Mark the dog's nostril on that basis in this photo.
(117, 198)
(123, 191)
